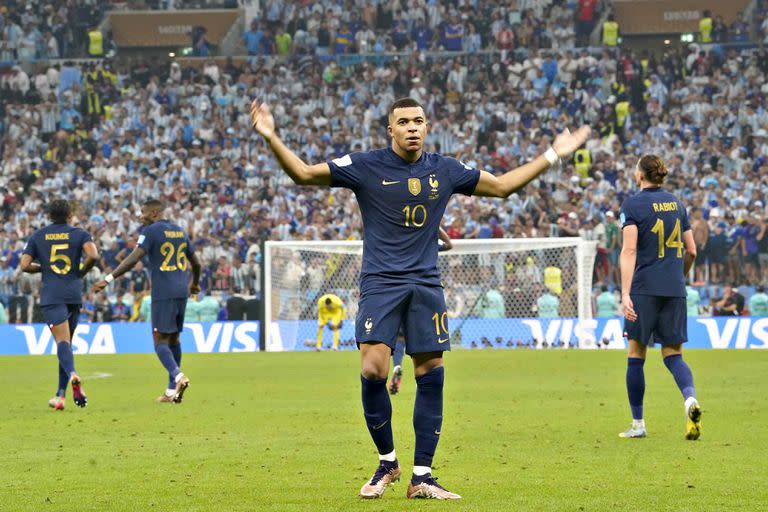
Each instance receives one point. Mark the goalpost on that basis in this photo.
(500, 292)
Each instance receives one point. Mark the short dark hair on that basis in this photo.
(59, 211)
(759, 288)
(328, 301)
(152, 203)
(604, 288)
(404, 103)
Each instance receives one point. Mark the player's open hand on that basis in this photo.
(194, 289)
(628, 308)
(98, 286)
(262, 120)
(566, 142)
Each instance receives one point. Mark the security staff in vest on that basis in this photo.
(610, 32)
(582, 162)
(95, 43)
(705, 27)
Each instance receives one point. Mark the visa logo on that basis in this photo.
(225, 337)
(741, 328)
(565, 329)
(88, 339)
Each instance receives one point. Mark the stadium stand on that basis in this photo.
(111, 133)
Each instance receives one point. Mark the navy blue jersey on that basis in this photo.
(661, 220)
(168, 250)
(402, 205)
(58, 248)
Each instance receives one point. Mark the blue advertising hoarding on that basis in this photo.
(206, 337)
(122, 338)
(703, 332)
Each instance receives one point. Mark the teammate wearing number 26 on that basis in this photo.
(657, 253)
(56, 251)
(402, 191)
(170, 257)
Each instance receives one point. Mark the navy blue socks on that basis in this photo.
(378, 413)
(398, 353)
(428, 415)
(635, 386)
(682, 374)
(63, 382)
(165, 355)
(66, 359)
(176, 351)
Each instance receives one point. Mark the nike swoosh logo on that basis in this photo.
(377, 427)
(437, 432)
(385, 182)
(441, 340)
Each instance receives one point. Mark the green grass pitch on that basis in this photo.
(523, 430)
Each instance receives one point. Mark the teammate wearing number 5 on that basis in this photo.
(402, 192)
(170, 257)
(56, 251)
(657, 253)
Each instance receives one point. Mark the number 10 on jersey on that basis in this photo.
(415, 216)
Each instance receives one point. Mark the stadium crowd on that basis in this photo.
(111, 134)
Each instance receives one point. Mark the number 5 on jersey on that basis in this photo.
(63, 258)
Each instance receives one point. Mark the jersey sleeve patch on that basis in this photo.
(141, 239)
(343, 161)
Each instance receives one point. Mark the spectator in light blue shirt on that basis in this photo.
(253, 38)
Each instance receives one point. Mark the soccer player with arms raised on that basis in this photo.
(56, 251)
(657, 253)
(403, 192)
(170, 257)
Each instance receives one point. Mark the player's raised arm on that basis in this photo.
(91, 257)
(299, 171)
(504, 185)
(127, 264)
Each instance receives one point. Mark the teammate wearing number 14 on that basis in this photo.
(657, 253)
(403, 191)
(170, 257)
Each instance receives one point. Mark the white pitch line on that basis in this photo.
(98, 375)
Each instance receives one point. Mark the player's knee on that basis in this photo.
(374, 370)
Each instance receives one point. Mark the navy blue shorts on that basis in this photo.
(54, 314)
(659, 320)
(419, 309)
(168, 315)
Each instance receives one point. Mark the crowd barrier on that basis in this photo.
(206, 337)
(123, 338)
(703, 332)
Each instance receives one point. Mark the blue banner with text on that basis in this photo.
(123, 338)
(703, 332)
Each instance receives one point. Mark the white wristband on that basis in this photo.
(109, 278)
(551, 156)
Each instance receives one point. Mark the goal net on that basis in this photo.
(500, 293)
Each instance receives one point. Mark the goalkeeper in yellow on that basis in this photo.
(331, 311)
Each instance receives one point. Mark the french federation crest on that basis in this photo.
(434, 184)
(414, 186)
